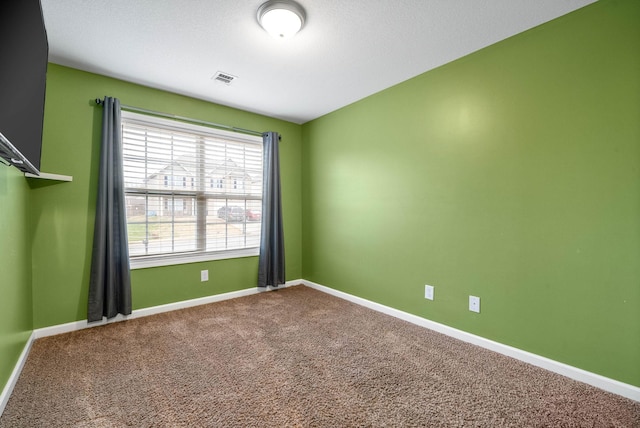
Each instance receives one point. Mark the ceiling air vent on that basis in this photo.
(225, 78)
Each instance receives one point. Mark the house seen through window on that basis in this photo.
(192, 192)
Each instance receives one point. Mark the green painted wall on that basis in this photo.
(63, 213)
(15, 269)
(512, 174)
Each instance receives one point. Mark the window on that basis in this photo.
(218, 183)
(169, 222)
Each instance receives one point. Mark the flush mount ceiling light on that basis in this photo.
(282, 18)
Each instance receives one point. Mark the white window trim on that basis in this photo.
(176, 124)
(142, 262)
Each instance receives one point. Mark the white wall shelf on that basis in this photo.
(48, 176)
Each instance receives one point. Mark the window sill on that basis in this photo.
(156, 261)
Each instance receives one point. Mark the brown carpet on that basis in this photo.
(295, 357)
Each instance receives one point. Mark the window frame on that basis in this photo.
(168, 259)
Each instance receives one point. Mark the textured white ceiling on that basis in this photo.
(348, 49)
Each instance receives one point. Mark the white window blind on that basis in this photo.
(192, 193)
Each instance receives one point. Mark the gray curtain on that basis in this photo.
(271, 260)
(110, 286)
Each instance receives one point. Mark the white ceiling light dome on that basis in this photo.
(282, 18)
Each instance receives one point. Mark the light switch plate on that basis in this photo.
(204, 275)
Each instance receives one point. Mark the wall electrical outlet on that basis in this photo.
(474, 304)
(204, 275)
(428, 292)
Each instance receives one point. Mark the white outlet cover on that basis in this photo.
(474, 304)
(204, 275)
(428, 292)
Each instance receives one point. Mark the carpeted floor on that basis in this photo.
(295, 357)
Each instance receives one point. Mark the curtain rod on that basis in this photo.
(184, 119)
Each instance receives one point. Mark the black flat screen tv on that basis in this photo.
(24, 51)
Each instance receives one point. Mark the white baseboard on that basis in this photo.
(144, 312)
(11, 383)
(593, 379)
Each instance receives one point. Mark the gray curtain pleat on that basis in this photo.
(110, 286)
(271, 260)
